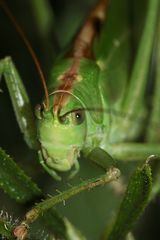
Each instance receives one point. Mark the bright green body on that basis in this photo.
(102, 112)
(76, 137)
(109, 122)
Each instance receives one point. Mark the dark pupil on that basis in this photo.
(79, 117)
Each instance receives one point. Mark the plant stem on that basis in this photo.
(37, 211)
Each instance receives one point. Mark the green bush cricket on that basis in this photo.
(76, 112)
(89, 104)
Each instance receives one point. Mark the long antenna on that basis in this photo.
(30, 49)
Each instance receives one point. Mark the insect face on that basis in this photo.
(61, 134)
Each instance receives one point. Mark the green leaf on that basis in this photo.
(14, 181)
(133, 204)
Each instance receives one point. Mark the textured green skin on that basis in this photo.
(97, 131)
(64, 142)
(60, 144)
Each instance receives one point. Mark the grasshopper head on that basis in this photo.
(61, 133)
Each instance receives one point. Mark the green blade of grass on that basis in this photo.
(133, 99)
(133, 204)
(153, 131)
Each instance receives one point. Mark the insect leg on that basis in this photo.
(133, 151)
(123, 152)
(101, 158)
(20, 101)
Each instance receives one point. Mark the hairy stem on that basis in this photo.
(40, 208)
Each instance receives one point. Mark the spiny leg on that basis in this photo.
(20, 101)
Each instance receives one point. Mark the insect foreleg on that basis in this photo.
(101, 158)
(20, 101)
(133, 151)
(123, 152)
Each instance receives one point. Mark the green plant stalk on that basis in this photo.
(133, 204)
(24, 190)
(153, 133)
(130, 236)
(40, 208)
(135, 93)
(37, 211)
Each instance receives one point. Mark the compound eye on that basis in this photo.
(78, 117)
(39, 111)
